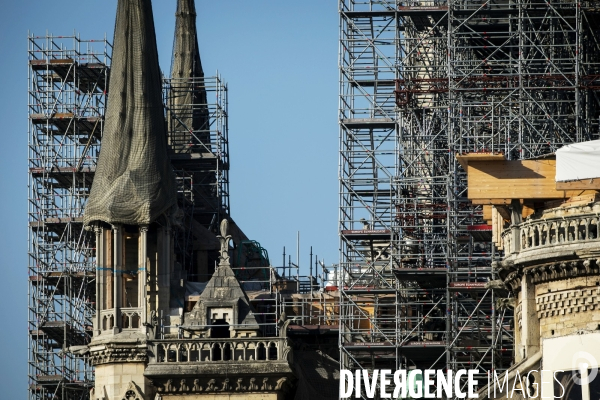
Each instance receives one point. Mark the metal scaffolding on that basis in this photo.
(199, 153)
(68, 80)
(420, 82)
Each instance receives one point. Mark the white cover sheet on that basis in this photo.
(578, 161)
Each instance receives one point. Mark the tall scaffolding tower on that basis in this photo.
(199, 153)
(420, 82)
(68, 80)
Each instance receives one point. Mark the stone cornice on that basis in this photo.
(551, 272)
(118, 350)
(230, 384)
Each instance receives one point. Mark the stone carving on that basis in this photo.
(183, 387)
(226, 386)
(265, 384)
(553, 271)
(224, 238)
(211, 386)
(241, 385)
(132, 392)
(111, 354)
(238, 386)
(197, 387)
(280, 383)
(567, 302)
(283, 324)
(505, 303)
(252, 385)
(101, 396)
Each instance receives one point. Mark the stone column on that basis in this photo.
(516, 217)
(143, 274)
(100, 284)
(118, 275)
(530, 326)
(163, 270)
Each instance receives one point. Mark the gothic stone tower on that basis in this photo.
(218, 350)
(131, 207)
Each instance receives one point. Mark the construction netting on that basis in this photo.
(134, 182)
(578, 161)
(188, 106)
(318, 375)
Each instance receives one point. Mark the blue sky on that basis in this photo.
(280, 61)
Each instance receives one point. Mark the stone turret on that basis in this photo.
(131, 206)
(552, 268)
(223, 309)
(223, 355)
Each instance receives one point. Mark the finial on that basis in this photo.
(224, 239)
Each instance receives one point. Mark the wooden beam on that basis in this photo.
(497, 226)
(465, 159)
(528, 209)
(503, 211)
(487, 212)
(524, 179)
(491, 201)
(584, 184)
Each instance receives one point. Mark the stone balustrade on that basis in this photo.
(107, 319)
(234, 350)
(131, 319)
(542, 232)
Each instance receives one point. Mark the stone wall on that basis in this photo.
(113, 380)
(567, 306)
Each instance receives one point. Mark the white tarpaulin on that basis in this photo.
(578, 161)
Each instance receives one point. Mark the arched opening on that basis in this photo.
(227, 352)
(261, 352)
(216, 352)
(272, 351)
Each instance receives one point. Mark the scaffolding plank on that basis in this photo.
(425, 277)
(459, 286)
(481, 232)
(68, 124)
(369, 346)
(363, 234)
(369, 123)
(369, 290)
(91, 76)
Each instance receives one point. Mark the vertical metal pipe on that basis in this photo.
(311, 272)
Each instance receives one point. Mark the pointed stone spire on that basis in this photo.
(134, 182)
(190, 127)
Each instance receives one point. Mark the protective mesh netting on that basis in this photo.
(318, 375)
(134, 182)
(189, 121)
